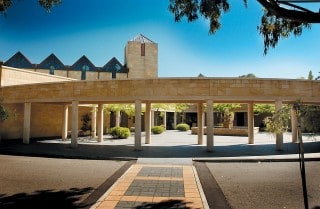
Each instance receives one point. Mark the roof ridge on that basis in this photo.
(142, 39)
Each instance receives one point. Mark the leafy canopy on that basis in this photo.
(276, 22)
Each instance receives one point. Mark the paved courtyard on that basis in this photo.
(171, 172)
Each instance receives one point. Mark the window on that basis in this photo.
(51, 70)
(85, 68)
(143, 49)
(117, 66)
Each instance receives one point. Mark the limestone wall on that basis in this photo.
(74, 74)
(105, 76)
(141, 66)
(168, 90)
(92, 76)
(13, 76)
(46, 120)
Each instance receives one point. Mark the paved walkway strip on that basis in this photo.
(155, 186)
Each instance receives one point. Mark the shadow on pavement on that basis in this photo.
(119, 152)
(49, 199)
(177, 204)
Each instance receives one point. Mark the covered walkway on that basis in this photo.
(200, 91)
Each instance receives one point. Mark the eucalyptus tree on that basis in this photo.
(280, 19)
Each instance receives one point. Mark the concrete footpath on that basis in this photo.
(171, 172)
(169, 145)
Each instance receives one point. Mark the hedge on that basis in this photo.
(120, 132)
(183, 127)
(157, 129)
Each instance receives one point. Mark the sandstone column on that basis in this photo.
(250, 124)
(279, 137)
(65, 122)
(209, 125)
(165, 120)
(94, 121)
(200, 123)
(26, 122)
(174, 120)
(118, 117)
(148, 122)
(152, 118)
(74, 131)
(100, 122)
(294, 126)
(137, 136)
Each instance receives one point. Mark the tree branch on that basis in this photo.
(294, 15)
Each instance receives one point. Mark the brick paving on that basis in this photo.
(155, 186)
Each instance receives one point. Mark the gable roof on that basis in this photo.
(51, 60)
(19, 61)
(114, 66)
(82, 62)
(142, 39)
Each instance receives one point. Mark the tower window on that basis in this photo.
(143, 49)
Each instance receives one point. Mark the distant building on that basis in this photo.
(141, 61)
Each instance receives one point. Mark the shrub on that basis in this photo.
(157, 129)
(183, 127)
(120, 132)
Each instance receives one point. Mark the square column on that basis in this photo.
(279, 137)
(165, 120)
(118, 117)
(64, 130)
(200, 122)
(137, 135)
(250, 124)
(174, 120)
(294, 126)
(74, 130)
(100, 122)
(152, 118)
(94, 121)
(148, 122)
(26, 122)
(209, 126)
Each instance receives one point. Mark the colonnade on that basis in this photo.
(97, 123)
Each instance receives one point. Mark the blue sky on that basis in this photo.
(100, 29)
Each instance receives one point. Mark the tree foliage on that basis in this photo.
(249, 75)
(310, 75)
(225, 111)
(276, 23)
(279, 122)
(310, 118)
(273, 28)
(263, 108)
(126, 108)
(4, 113)
(46, 4)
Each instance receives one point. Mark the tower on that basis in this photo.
(141, 57)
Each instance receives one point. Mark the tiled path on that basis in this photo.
(155, 186)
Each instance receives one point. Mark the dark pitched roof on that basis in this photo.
(19, 61)
(114, 66)
(51, 60)
(83, 62)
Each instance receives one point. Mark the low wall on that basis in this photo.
(235, 131)
(14, 76)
